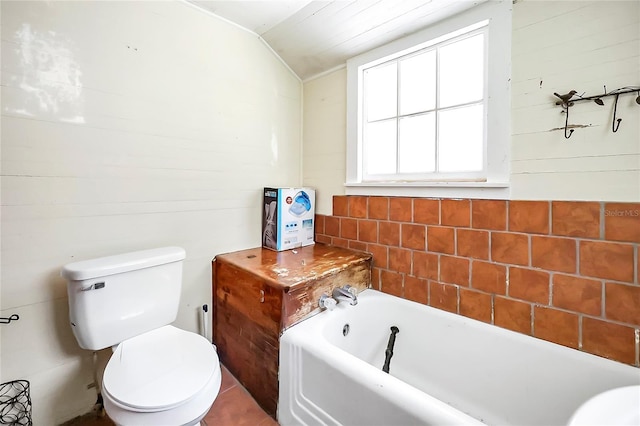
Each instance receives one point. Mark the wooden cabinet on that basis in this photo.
(258, 293)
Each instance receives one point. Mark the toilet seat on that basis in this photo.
(188, 414)
(159, 370)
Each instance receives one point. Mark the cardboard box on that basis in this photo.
(288, 218)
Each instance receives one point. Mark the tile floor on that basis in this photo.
(234, 406)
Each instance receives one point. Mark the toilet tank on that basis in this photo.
(117, 297)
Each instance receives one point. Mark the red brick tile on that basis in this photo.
(510, 248)
(622, 222)
(358, 207)
(357, 245)
(332, 226)
(489, 214)
(380, 255)
(426, 211)
(512, 314)
(425, 265)
(416, 289)
(555, 326)
(476, 305)
(400, 260)
(473, 243)
(441, 239)
(268, 421)
(413, 236)
(443, 296)
(379, 208)
(375, 278)
(400, 209)
(609, 340)
(391, 283)
(554, 254)
(575, 219)
(390, 233)
(319, 224)
(349, 228)
(529, 284)
(340, 205)
(454, 270)
(488, 277)
(602, 259)
(577, 294)
(455, 212)
(235, 407)
(622, 303)
(368, 231)
(340, 242)
(529, 216)
(324, 239)
(228, 381)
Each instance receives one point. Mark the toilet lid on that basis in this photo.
(160, 369)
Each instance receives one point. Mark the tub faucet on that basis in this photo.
(327, 302)
(346, 293)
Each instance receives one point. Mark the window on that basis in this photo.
(413, 107)
(422, 111)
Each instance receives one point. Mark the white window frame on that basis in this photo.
(496, 15)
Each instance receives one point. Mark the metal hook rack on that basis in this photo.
(14, 317)
(567, 101)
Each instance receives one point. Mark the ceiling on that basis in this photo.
(316, 36)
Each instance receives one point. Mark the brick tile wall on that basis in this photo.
(562, 271)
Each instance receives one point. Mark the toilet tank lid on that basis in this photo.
(120, 263)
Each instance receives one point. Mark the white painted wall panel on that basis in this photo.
(582, 46)
(324, 137)
(125, 126)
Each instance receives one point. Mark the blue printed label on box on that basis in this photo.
(287, 218)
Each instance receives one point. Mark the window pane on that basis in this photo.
(380, 147)
(380, 92)
(418, 143)
(418, 83)
(461, 139)
(462, 71)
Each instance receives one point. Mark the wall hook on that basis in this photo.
(566, 124)
(567, 100)
(13, 317)
(615, 124)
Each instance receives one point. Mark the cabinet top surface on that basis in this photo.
(290, 267)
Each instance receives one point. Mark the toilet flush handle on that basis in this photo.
(94, 286)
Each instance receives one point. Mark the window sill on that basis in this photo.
(451, 189)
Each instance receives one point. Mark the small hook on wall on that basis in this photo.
(566, 125)
(615, 124)
(566, 104)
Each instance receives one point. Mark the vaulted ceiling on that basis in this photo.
(316, 36)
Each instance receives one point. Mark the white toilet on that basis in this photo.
(158, 374)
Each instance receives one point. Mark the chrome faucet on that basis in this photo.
(346, 293)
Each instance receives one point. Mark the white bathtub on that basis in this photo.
(446, 369)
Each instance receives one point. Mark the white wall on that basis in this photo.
(324, 137)
(575, 45)
(557, 46)
(125, 126)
